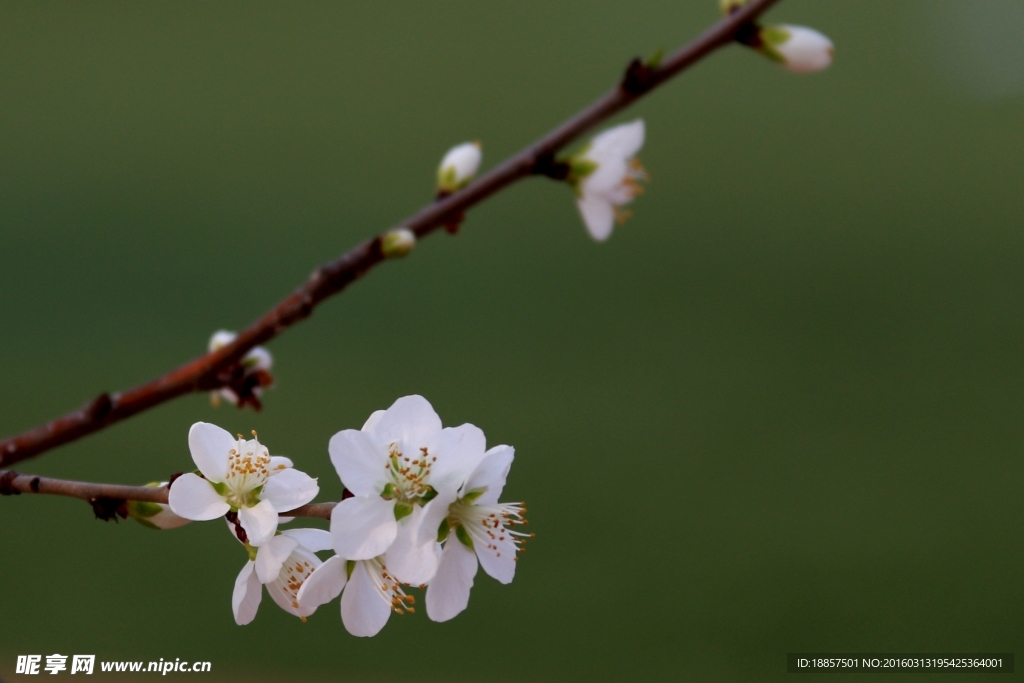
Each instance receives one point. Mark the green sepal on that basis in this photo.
(139, 508)
(252, 552)
(429, 495)
(443, 530)
(389, 492)
(463, 536)
(473, 495)
(654, 61)
(771, 37)
(350, 566)
(221, 488)
(146, 523)
(403, 509)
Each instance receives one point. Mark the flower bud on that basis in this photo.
(154, 515)
(798, 48)
(458, 167)
(397, 243)
(730, 6)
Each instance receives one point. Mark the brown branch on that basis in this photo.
(204, 373)
(12, 483)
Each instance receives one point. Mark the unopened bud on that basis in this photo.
(798, 48)
(397, 243)
(458, 167)
(730, 6)
(154, 515)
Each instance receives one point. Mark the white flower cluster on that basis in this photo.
(422, 510)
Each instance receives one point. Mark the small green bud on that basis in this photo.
(730, 6)
(397, 243)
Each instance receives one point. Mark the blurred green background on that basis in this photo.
(780, 410)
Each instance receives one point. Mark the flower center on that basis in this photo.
(489, 526)
(409, 477)
(389, 589)
(294, 573)
(248, 471)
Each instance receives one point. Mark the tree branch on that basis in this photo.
(204, 373)
(12, 483)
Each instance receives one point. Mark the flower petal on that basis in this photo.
(272, 556)
(289, 489)
(246, 597)
(622, 141)
(314, 540)
(363, 527)
(410, 559)
(259, 522)
(371, 422)
(448, 592)
(279, 463)
(498, 558)
(324, 584)
(490, 474)
(210, 445)
(360, 461)
(364, 608)
(458, 450)
(598, 215)
(433, 513)
(410, 420)
(192, 497)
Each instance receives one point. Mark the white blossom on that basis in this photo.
(477, 528)
(403, 470)
(458, 167)
(371, 593)
(237, 477)
(605, 176)
(258, 359)
(798, 48)
(283, 565)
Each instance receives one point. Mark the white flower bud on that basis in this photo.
(458, 167)
(221, 338)
(154, 515)
(398, 242)
(798, 48)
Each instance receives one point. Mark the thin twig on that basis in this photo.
(204, 373)
(12, 483)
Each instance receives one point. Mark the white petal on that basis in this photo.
(279, 463)
(433, 512)
(259, 522)
(289, 489)
(490, 474)
(324, 584)
(498, 558)
(192, 497)
(210, 445)
(448, 592)
(372, 421)
(364, 609)
(806, 50)
(458, 450)
(410, 420)
(363, 527)
(315, 540)
(411, 559)
(221, 338)
(463, 160)
(598, 215)
(246, 597)
(360, 461)
(271, 557)
(622, 141)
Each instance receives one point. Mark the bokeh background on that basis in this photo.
(781, 410)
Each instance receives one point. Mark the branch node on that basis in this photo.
(639, 77)
(547, 166)
(109, 508)
(34, 484)
(99, 407)
(7, 483)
